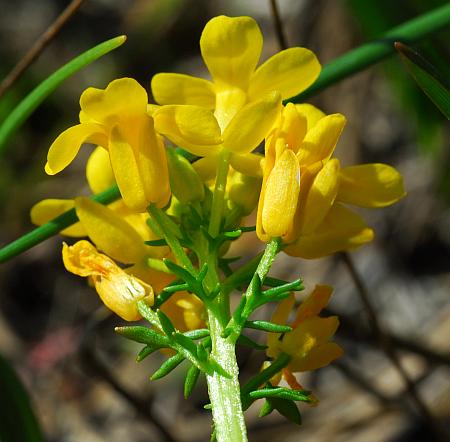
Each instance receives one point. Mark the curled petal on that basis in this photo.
(231, 47)
(318, 357)
(320, 141)
(118, 290)
(122, 98)
(170, 88)
(281, 196)
(190, 127)
(206, 167)
(109, 232)
(99, 173)
(311, 113)
(321, 196)
(251, 124)
(341, 230)
(289, 72)
(66, 146)
(250, 164)
(45, 210)
(370, 185)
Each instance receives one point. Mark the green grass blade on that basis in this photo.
(371, 53)
(426, 76)
(26, 107)
(51, 228)
(17, 419)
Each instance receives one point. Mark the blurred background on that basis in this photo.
(82, 379)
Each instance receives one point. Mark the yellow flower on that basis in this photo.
(309, 343)
(118, 290)
(117, 119)
(245, 98)
(304, 188)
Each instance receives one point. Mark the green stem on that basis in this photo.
(219, 193)
(224, 390)
(251, 295)
(374, 51)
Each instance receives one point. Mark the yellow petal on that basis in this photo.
(250, 164)
(231, 47)
(122, 98)
(313, 304)
(168, 88)
(311, 333)
(118, 290)
(45, 210)
(289, 72)
(193, 311)
(370, 185)
(281, 196)
(190, 127)
(109, 232)
(311, 113)
(320, 141)
(152, 164)
(293, 127)
(251, 124)
(318, 357)
(126, 171)
(66, 146)
(321, 196)
(99, 172)
(206, 167)
(341, 230)
(280, 316)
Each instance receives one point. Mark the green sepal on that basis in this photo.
(245, 340)
(190, 381)
(268, 326)
(167, 366)
(143, 335)
(185, 342)
(286, 408)
(156, 242)
(166, 323)
(267, 408)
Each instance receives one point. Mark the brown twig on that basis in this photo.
(282, 41)
(39, 46)
(388, 348)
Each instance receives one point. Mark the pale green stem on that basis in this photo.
(224, 391)
(219, 193)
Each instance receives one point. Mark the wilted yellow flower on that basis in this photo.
(304, 188)
(118, 290)
(245, 98)
(309, 343)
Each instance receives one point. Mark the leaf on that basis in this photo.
(143, 335)
(426, 76)
(146, 351)
(266, 409)
(17, 419)
(25, 108)
(288, 409)
(268, 326)
(167, 367)
(190, 381)
(166, 323)
(185, 342)
(244, 340)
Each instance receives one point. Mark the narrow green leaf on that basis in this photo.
(25, 108)
(288, 409)
(185, 342)
(268, 326)
(17, 419)
(51, 228)
(296, 285)
(427, 77)
(375, 51)
(156, 243)
(166, 323)
(202, 353)
(245, 340)
(167, 367)
(146, 351)
(200, 333)
(190, 381)
(143, 335)
(266, 409)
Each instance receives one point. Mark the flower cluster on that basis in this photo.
(188, 170)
